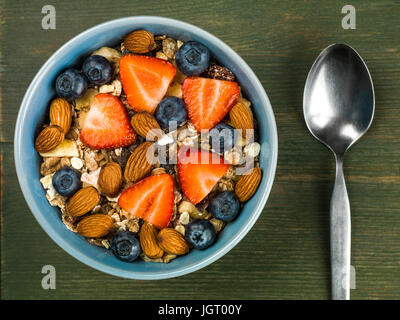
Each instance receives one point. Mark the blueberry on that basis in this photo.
(224, 206)
(192, 58)
(170, 109)
(200, 234)
(125, 246)
(98, 70)
(66, 181)
(71, 84)
(222, 137)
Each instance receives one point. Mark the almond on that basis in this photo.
(60, 114)
(248, 184)
(49, 139)
(171, 241)
(241, 118)
(139, 41)
(148, 241)
(146, 126)
(95, 226)
(139, 162)
(110, 179)
(83, 201)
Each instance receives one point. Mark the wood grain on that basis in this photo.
(286, 254)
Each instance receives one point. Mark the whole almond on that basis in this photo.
(148, 241)
(139, 41)
(145, 125)
(60, 114)
(241, 118)
(110, 179)
(139, 162)
(171, 241)
(248, 184)
(83, 201)
(95, 226)
(49, 138)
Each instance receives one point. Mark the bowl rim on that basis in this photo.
(64, 244)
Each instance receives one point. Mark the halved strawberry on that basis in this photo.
(151, 199)
(107, 124)
(199, 171)
(208, 100)
(145, 80)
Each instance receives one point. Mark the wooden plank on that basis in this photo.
(286, 254)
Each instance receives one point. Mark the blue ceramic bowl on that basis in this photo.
(33, 112)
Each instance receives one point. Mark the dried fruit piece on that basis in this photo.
(172, 241)
(83, 201)
(95, 226)
(139, 41)
(67, 148)
(110, 179)
(184, 218)
(175, 90)
(49, 138)
(181, 229)
(110, 54)
(248, 184)
(86, 99)
(148, 241)
(217, 224)
(241, 118)
(145, 125)
(161, 55)
(191, 209)
(217, 72)
(60, 114)
(140, 162)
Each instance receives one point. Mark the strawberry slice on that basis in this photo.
(145, 80)
(151, 199)
(107, 124)
(199, 171)
(208, 100)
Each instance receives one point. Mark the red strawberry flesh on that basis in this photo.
(208, 100)
(151, 199)
(107, 124)
(145, 80)
(199, 171)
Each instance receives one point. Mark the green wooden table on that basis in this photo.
(286, 254)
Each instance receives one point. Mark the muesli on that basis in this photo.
(151, 148)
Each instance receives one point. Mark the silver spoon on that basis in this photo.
(338, 107)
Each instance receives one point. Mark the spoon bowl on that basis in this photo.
(338, 107)
(338, 98)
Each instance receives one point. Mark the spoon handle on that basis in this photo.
(340, 236)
